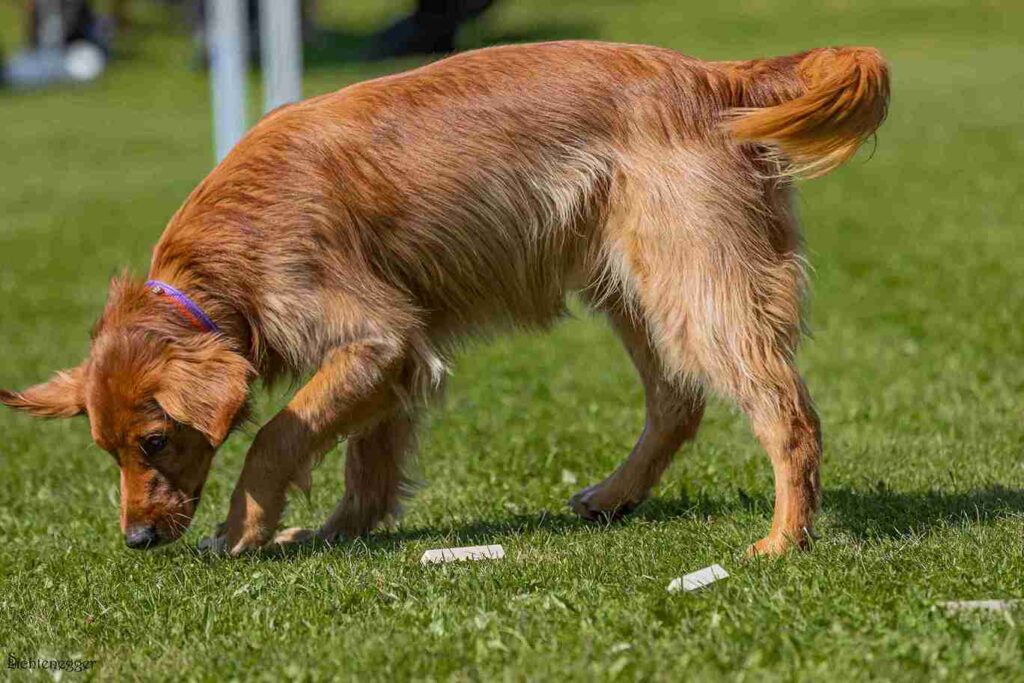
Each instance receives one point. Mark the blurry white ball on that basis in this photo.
(84, 61)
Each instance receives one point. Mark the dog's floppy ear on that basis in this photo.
(205, 385)
(62, 396)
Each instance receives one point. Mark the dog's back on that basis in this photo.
(475, 189)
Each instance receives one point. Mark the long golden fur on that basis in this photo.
(359, 235)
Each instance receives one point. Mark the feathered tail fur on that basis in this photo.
(842, 95)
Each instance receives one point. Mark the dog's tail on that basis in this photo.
(813, 109)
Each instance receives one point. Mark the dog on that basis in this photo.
(360, 235)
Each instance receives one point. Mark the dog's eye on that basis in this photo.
(153, 444)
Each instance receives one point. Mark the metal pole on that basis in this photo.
(281, 52)
(228, 51)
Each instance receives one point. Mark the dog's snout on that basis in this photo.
(140, 537)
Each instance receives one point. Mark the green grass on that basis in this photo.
(916, 363)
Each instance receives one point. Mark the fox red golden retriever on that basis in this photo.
(359, 235)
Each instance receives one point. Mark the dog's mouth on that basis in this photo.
(163, 529)
(149, 536)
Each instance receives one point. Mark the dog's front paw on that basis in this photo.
(596, 504)
(247, 543)
(222, 543)
(214, 545)
(293, 537)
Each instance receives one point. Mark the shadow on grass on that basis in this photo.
(482, 532)
(866, 514)
(881, 513)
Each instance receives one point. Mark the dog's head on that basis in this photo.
(160, 397)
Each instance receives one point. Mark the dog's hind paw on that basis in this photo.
(592, 504)
(779, 544)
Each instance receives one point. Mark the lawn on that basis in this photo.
(916, 361)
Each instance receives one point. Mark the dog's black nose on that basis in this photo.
(140, 537)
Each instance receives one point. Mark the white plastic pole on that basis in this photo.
(228, 52)
(281, 52)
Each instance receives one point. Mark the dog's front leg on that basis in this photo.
(350, 389)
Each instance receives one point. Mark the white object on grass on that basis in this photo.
(476, 552)
(991, 605)
(698, 579)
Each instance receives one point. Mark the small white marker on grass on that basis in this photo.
(476, 552)
(698, 579)
(989, 605)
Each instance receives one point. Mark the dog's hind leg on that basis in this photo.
(741, 332)
(730, 315)
(710, 253)
(673, 415)
(746, 348)
(787, 426)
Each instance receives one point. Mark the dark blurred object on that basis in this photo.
(75, 19)
(428, 30)
(67, 42)
(119, 13)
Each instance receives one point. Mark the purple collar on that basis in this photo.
(185, 306)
